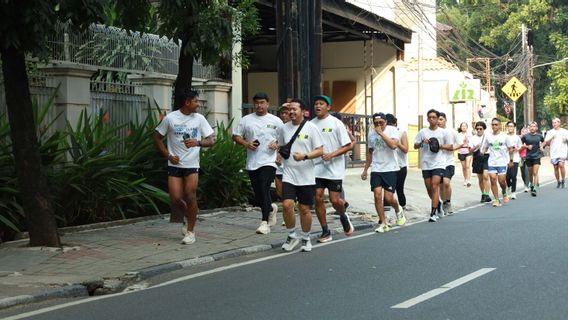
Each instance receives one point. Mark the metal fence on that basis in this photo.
(116, 49)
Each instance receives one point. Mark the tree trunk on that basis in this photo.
(185, 74)
(32, 181)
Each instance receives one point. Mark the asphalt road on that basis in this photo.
(484, 263)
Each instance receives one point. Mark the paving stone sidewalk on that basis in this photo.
(105, 260)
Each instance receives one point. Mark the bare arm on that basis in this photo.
(159, 143)
(240, 140)
(403, 143)
(368, 161)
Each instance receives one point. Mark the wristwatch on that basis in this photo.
(199, 143)
(306, 157)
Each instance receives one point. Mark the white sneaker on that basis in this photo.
(433, 218)
(272, 217)
(290, 244)
(383, 227)
(306, 245)
(189, 238)
(513, 196)
(527, 189)
(184, 227)
(263, 228)
(468, 183)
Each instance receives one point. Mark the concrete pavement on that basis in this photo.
(109, 257)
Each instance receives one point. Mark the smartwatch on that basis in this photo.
(306, 157)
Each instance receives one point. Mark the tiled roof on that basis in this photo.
(431, 64)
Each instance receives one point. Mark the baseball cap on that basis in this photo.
(379, 115)
(324, 98)
(260, 95)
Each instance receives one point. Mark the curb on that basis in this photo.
(110, 286)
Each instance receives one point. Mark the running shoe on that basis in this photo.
(497, 203)
(184, 227)
(468, 183)
(383, 227)
(505, 197)
(189, 238)
(346, 223)
(433, 218)
(448, 209)
(400, 217)
(325, 236)
(558, 185)
(346, 205)
(272, 217)
(290, 244)
(482, 199)
(514, 196)
(263, 228)
(563, 185)
(487, 198)
(306, 245)
(533, 192)
(526, 189)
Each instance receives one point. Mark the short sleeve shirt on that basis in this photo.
(533, 140)
(334, 136)
(401, 157)
(299, 173)
(453, 139)
(430, 160)
(174, 126)
(384, 158)
(264, 129)
(517, 144)
(558, 144)
(498, 146)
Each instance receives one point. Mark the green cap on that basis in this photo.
(324, 98)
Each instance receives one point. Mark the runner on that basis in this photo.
(514, 159)
(499, 146)
(298, 180)
(446, 187)
(382, 143)
(330, 168)
(533, 142)
(186, 131)
(523, 163)
(464, 155)
(557, 139)
(433, 163)
(480, 165)
(283, 112)
(402, 160)
(258, 133)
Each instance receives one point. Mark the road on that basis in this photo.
(482, 263)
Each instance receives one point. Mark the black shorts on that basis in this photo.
(385, 180)
(426, 174)
(449, 172)
(532, 162)
(479, 164)
(304, 194)
(331, 185)
(181, 172)
(463, 156)
(278, 176)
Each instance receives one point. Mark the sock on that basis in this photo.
(306, 235)
(292, 233)
(433, 212)
(325, 229)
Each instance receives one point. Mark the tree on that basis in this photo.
(24, 27)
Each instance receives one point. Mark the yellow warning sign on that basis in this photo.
(514, 89)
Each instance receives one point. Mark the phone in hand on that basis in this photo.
(256, 143)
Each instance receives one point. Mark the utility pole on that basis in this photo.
(420, 89)
(530, 88)
(525, 76)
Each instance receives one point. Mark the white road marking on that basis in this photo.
(438, 291)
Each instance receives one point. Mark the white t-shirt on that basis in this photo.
(265, 130)
(430, 160)
(517, 144)
(174, 126)
(453, 139)
(384, 158)
(558, 145)
(401, 157)
(334, 136)
(476, 140)
(299, 173)
(498, 146)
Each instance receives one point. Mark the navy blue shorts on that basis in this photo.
(426, 174)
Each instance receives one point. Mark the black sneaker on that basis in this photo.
(533, 192)
(558, 185)
(347, 225)
(346, 205)
(563, 186)
(487, 198)
(325, 236)
(482, 199)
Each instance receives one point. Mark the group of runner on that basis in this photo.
(304, 158)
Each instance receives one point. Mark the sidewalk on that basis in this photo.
(107, 260)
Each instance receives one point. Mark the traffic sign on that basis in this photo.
(514, 89)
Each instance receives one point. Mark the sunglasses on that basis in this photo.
(380, 123)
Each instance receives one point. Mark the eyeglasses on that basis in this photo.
(478, 129)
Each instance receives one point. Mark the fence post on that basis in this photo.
(217, 95)
(74, 95)
(157, 87)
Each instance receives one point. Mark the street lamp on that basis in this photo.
(549, 63)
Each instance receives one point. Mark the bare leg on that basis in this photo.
(320, 207)
(288, 213)
(305, 217)
(378, 195)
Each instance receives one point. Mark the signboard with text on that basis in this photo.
(465, 90)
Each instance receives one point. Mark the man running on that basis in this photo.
(402, 159)
(479, 165)
(533, 142)
(557, 139)
(446, 187)
(382, 142)
(283, 112)
(258, 133)
(499, 146)
(298, 180)
(330, 168)
(186, 131)
(431, 141)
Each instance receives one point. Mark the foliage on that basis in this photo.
(223, 182)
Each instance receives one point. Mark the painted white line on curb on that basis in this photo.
(438, 291)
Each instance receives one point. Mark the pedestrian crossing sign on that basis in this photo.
(514, 89)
